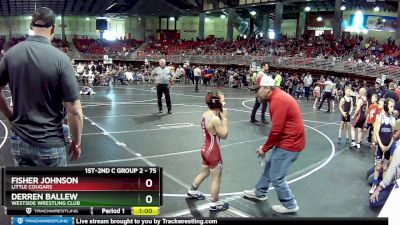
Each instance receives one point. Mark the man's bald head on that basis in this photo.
(162, 62)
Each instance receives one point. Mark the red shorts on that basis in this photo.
(212, 161)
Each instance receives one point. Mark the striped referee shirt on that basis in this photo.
(163, 75)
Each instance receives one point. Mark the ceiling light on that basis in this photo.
(172, 18)
(271, 34)
(87, 19)
(223, 16)
(343, 8)
(319, 19)
(307, 9)
(253, 13)
(384, 20)
(109, 7)
(376, 9)
(207, 19)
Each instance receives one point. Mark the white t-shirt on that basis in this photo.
(197, 72)
(260, 74)
(328, 86)
(308, 81)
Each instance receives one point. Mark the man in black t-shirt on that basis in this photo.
(376, 89)
(40, 84)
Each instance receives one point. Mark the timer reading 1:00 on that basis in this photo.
(145, 211)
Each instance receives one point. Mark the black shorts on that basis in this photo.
(359, 121)
(380, 156)
(346, 119)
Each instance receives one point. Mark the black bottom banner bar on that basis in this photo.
(66, 220)
(229, 221)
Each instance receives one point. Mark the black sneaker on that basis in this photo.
(254, 121)
(264, 122)
(219, 206)
(196, 195)
(169, 112)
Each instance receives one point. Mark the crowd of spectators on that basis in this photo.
(56, 42)
(356, 48)
(60, 44)
(99, 74)
(83, 44)
(210, 46)
(120, 47)
(375, 53)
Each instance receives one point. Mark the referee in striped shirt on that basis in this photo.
(163, 81)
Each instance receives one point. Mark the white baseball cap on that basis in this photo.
(264, 81)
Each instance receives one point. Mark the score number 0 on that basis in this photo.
(149, 183)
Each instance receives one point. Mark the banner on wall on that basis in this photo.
(380, 23)
(362, 23)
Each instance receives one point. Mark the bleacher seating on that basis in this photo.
(101, 47)
(321, 47)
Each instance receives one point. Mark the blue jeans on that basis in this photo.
(383, 196)
(67, 132)
(27, 155)
(275, 171)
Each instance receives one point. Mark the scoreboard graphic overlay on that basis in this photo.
(82, 191)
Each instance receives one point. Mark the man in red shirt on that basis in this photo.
(287, 136)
